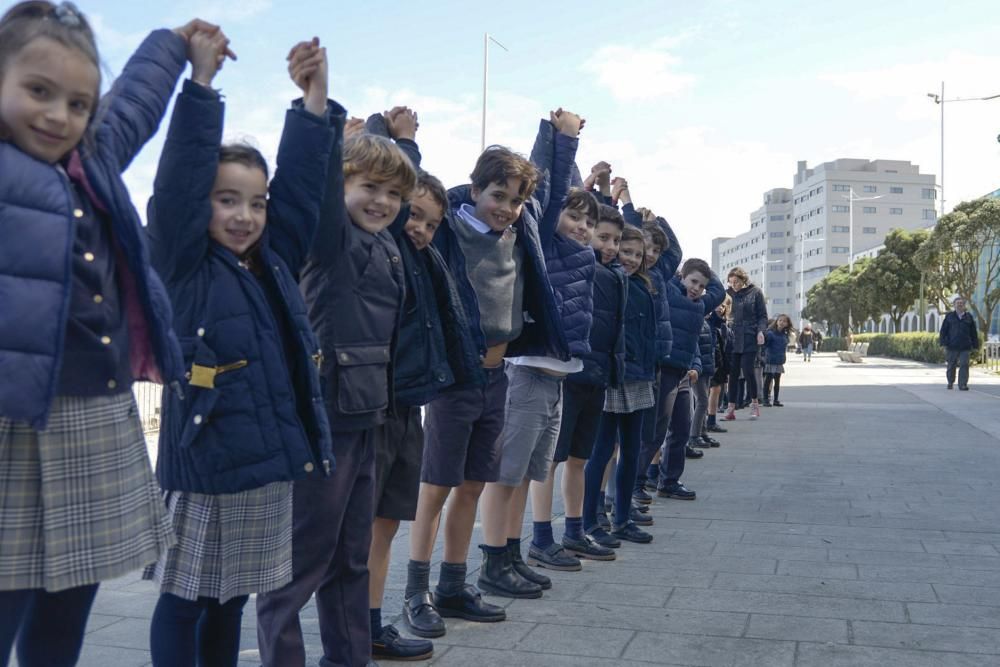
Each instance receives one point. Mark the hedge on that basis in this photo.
(918, 346)
(833, 344)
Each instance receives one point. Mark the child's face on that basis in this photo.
(239, 207)
(736, 283)
(425, 217)
(783, 323)
(607, 238)
(46, 98)
(694, 283)
(575, 224)
(630, 255)
(372, 205)
(499, 205)
(653, 252)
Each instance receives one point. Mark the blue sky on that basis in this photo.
(703, 106)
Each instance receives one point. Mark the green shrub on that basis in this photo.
(918, 346)
(833, 344)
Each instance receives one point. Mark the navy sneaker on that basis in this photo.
(389, 644)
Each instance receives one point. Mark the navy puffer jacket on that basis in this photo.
(749, 313)
(775, 347)
(252, 411)
(640, 332)
(687, 316)
(38, 230)
(571, 265)
(604, 365)
(706, 348)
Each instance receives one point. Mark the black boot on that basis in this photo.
(497, 576)
(522, 569)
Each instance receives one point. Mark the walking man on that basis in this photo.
(959, 338)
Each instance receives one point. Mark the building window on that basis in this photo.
(837, 208)
(775, 235)
(895, 211)
(930, 214)
(777, 218)
(778, 268)
(896, 190)
(777, 251)
(929, 193)
(870, 209)
(871, 188)
(819, 189)
(840, 229)
(777, 283)
(841, 188)
(778, 302)
(869, 230)
(840, 250)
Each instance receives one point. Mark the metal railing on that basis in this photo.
(147, 396)
(991, 356)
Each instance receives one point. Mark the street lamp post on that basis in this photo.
(802, 276)
(940, 101)
(486, 77)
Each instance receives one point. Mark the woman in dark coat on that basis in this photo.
(749, 318)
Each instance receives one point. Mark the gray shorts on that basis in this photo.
(531, 428)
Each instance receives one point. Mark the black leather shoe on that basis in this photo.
(390, 645)
(963, 389)
(603, 521)
(766, 403)
(692, 453)
(603, 537)
(468, 604)
(640, 496)
(632, 533)
(497, 576)
(715, 428)
(778, 404)
(639, 518)
(676, 490)
(554, 558)
(422, 617)
(588, 548)
(698, 441)
(712, 442)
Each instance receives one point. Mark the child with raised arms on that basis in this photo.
(353, 283)
(251, 420)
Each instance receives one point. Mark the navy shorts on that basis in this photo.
(399, 450)
(462, 429)
(581, 416)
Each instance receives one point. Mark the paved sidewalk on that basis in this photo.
(857, 525)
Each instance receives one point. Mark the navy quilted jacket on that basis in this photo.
(260, 417)
(640, 332)
(687, 317)
(37, 227)
(775, 347)
(604, 365)
(571, 266)
(706, 349)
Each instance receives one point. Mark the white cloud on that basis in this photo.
(631, 73)
(221, 11)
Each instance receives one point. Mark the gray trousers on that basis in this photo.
(959, 358)
(699, 402)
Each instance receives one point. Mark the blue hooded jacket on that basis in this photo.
(252, 411)
(37, 223)
(604, 365)
(775, 347)
(687, 317)
(571, 266)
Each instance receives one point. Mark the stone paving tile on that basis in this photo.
(481, 635)
(798, 605)
(931, 575)
(862, 556)
(961, 548)
(767, 551)
(932, 637)
(465, 657)
(837, 655)
(968, 595)
(570, 640)
(954, 614)
(801, 568)
(797, 628)
(710, 651)
(865, 590)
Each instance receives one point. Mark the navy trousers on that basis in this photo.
(673, 458)
(660, 416)
(331, 538)
(48, 627)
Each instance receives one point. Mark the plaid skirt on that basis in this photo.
(227, 545)
(630, 397)
(78, 501)
(776, 369)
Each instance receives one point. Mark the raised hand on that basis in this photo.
(567, 122)
(207, 52)
(619, 191)
(600, 173)
(308, 68)
(402, 123)
(353, 127)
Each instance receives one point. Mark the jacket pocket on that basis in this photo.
(362, 378)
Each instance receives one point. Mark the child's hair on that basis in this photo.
(498, 164)
(695, 264)
(774, 324)
(611, 215)
(380, 160)
(243, 154)
(62, 23)
(740, 274)
(432, 186)
(726, 306)
(656, 235)
(630, 233)
(580, 200)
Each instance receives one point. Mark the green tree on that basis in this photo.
(841, 297)
(892, 280)
(962, 253)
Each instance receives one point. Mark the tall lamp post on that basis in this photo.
(802, 276)
(940, 101)
(486, 78)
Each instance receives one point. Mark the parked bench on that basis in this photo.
(856, 354)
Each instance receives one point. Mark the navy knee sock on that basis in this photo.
(375, 615)
(542, 534)
(574, 528)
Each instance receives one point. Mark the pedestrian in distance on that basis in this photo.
(958, 337)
